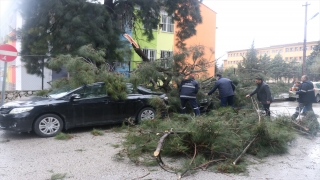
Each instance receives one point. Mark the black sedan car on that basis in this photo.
(85, 106)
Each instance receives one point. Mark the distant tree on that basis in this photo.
(313, 63)
(249, 67)
(264, 65)
(277, 67)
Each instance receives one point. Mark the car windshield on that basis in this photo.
(60, 92)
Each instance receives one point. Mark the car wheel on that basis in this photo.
(146, 113)
(318, 98)
(48, 125)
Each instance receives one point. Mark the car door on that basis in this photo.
(120, 110)
(89, 108)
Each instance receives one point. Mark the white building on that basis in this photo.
(17, 76)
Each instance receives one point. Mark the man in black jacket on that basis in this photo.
(226, 90)
(306, 96)
(188, 91)
(263, 94)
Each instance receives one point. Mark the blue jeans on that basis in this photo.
(227, 101)
(192, 102)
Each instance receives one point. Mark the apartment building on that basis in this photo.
(164, 43)
(289, 52)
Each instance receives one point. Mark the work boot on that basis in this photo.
(294, 117)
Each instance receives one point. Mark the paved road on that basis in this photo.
(25, 156)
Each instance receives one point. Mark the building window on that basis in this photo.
(167, 24)
(150, 53)
(300, 58)
(291, 58)
(291, 49)
(306, 48)
(301, 48)
(286, 59)
(296, 49)
(287, 49)
(280, 51)
(230, 55)
(166, 54)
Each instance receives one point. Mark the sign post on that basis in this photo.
(8, 53)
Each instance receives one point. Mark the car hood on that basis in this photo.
(29, 101)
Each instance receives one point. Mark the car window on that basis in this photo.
(60, 92)
(318, 85)
(92, 91)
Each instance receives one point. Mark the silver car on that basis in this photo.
(316, 91)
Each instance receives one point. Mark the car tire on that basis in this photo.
(48, 125)
(146, 113)
(318, 98)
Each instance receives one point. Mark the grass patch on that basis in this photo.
(63, 136)
(4, 140)
(97, 132)
(115, 145)
(80, 150)
(119, 156)
(58, 176)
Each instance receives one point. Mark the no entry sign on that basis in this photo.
(8, 53)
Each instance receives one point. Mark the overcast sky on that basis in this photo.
(267, 22)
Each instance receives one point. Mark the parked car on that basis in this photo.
(316, 91)
(87, 105)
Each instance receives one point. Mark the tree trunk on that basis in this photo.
(110, 6)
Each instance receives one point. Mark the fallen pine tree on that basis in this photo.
(215, 141)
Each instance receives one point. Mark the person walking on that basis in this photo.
(188, 91)
(226, 90)
(306, 96)
(263, 94)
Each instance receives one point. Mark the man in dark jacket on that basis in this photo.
(188, 91)
(306, 96)
(263, 94)
(226, 90)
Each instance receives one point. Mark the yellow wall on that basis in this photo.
(144, 44)
(287, 51)
(164, 42)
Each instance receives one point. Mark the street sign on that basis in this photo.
(8, 53)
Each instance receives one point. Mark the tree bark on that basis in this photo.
(160, 143)
(245, 150)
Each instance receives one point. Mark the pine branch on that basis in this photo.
(245, 150)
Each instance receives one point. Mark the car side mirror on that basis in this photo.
(75, 96)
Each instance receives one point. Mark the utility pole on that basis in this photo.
(42, 71)
(304, 68)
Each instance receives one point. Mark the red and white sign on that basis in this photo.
(8, 53)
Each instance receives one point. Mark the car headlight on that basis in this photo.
(20, 110)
